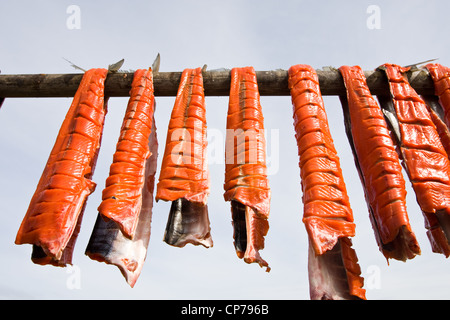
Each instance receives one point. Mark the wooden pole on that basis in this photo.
(217, 83)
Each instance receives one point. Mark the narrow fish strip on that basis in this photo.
(372, 147)
(54, 215)
(439, 104)
(184, 176)
(246, 185)
(122, 195)
(441, 79)
(333, 268)
(110, 245)
(437, 116)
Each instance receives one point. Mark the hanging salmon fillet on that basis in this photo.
(379, 168)
(333, 267)
(122, 195)
(439, 104)
(122, 231)
(441, 79)
(423, 155)
(437, 116)
(246, 184)
(53, 218)
(184, 177)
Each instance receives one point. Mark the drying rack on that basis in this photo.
(216, 83)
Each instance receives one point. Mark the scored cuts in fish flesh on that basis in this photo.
(246, 185)
(184, 176)
(122, 230)
(441, 79)
(439, 104)
(53, 219)
(334, 272)
(422, 153)
(379, 168)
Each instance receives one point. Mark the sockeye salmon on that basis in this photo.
(246, 184)
(422, 154)
(122, 230)
(333, 268)
(184, 176)
(53, 218)
(439, 104)
(437, 116)
(378, 166)
(441, 79)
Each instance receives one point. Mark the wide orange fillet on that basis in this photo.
(423, 155)
(53, 218)
(122, 230)
(122, 195)
(333, 267)
(246, 184)
(184, 176)
(379, 168)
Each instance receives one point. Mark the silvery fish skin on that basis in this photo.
(188, 223)
(108, 244)
(329, 274)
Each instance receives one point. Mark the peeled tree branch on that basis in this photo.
(216, 83)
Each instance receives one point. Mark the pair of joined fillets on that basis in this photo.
(184, 177)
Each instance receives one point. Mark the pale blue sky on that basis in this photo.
(222, 34)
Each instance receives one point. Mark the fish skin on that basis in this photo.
(246, 185)
(110, 245)
(184, 176)
(333, 269)
(332, 274)
(52, 227)
(423, 157)
(188, 223)
(122, 197)
(249, 230)
(379, 168)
